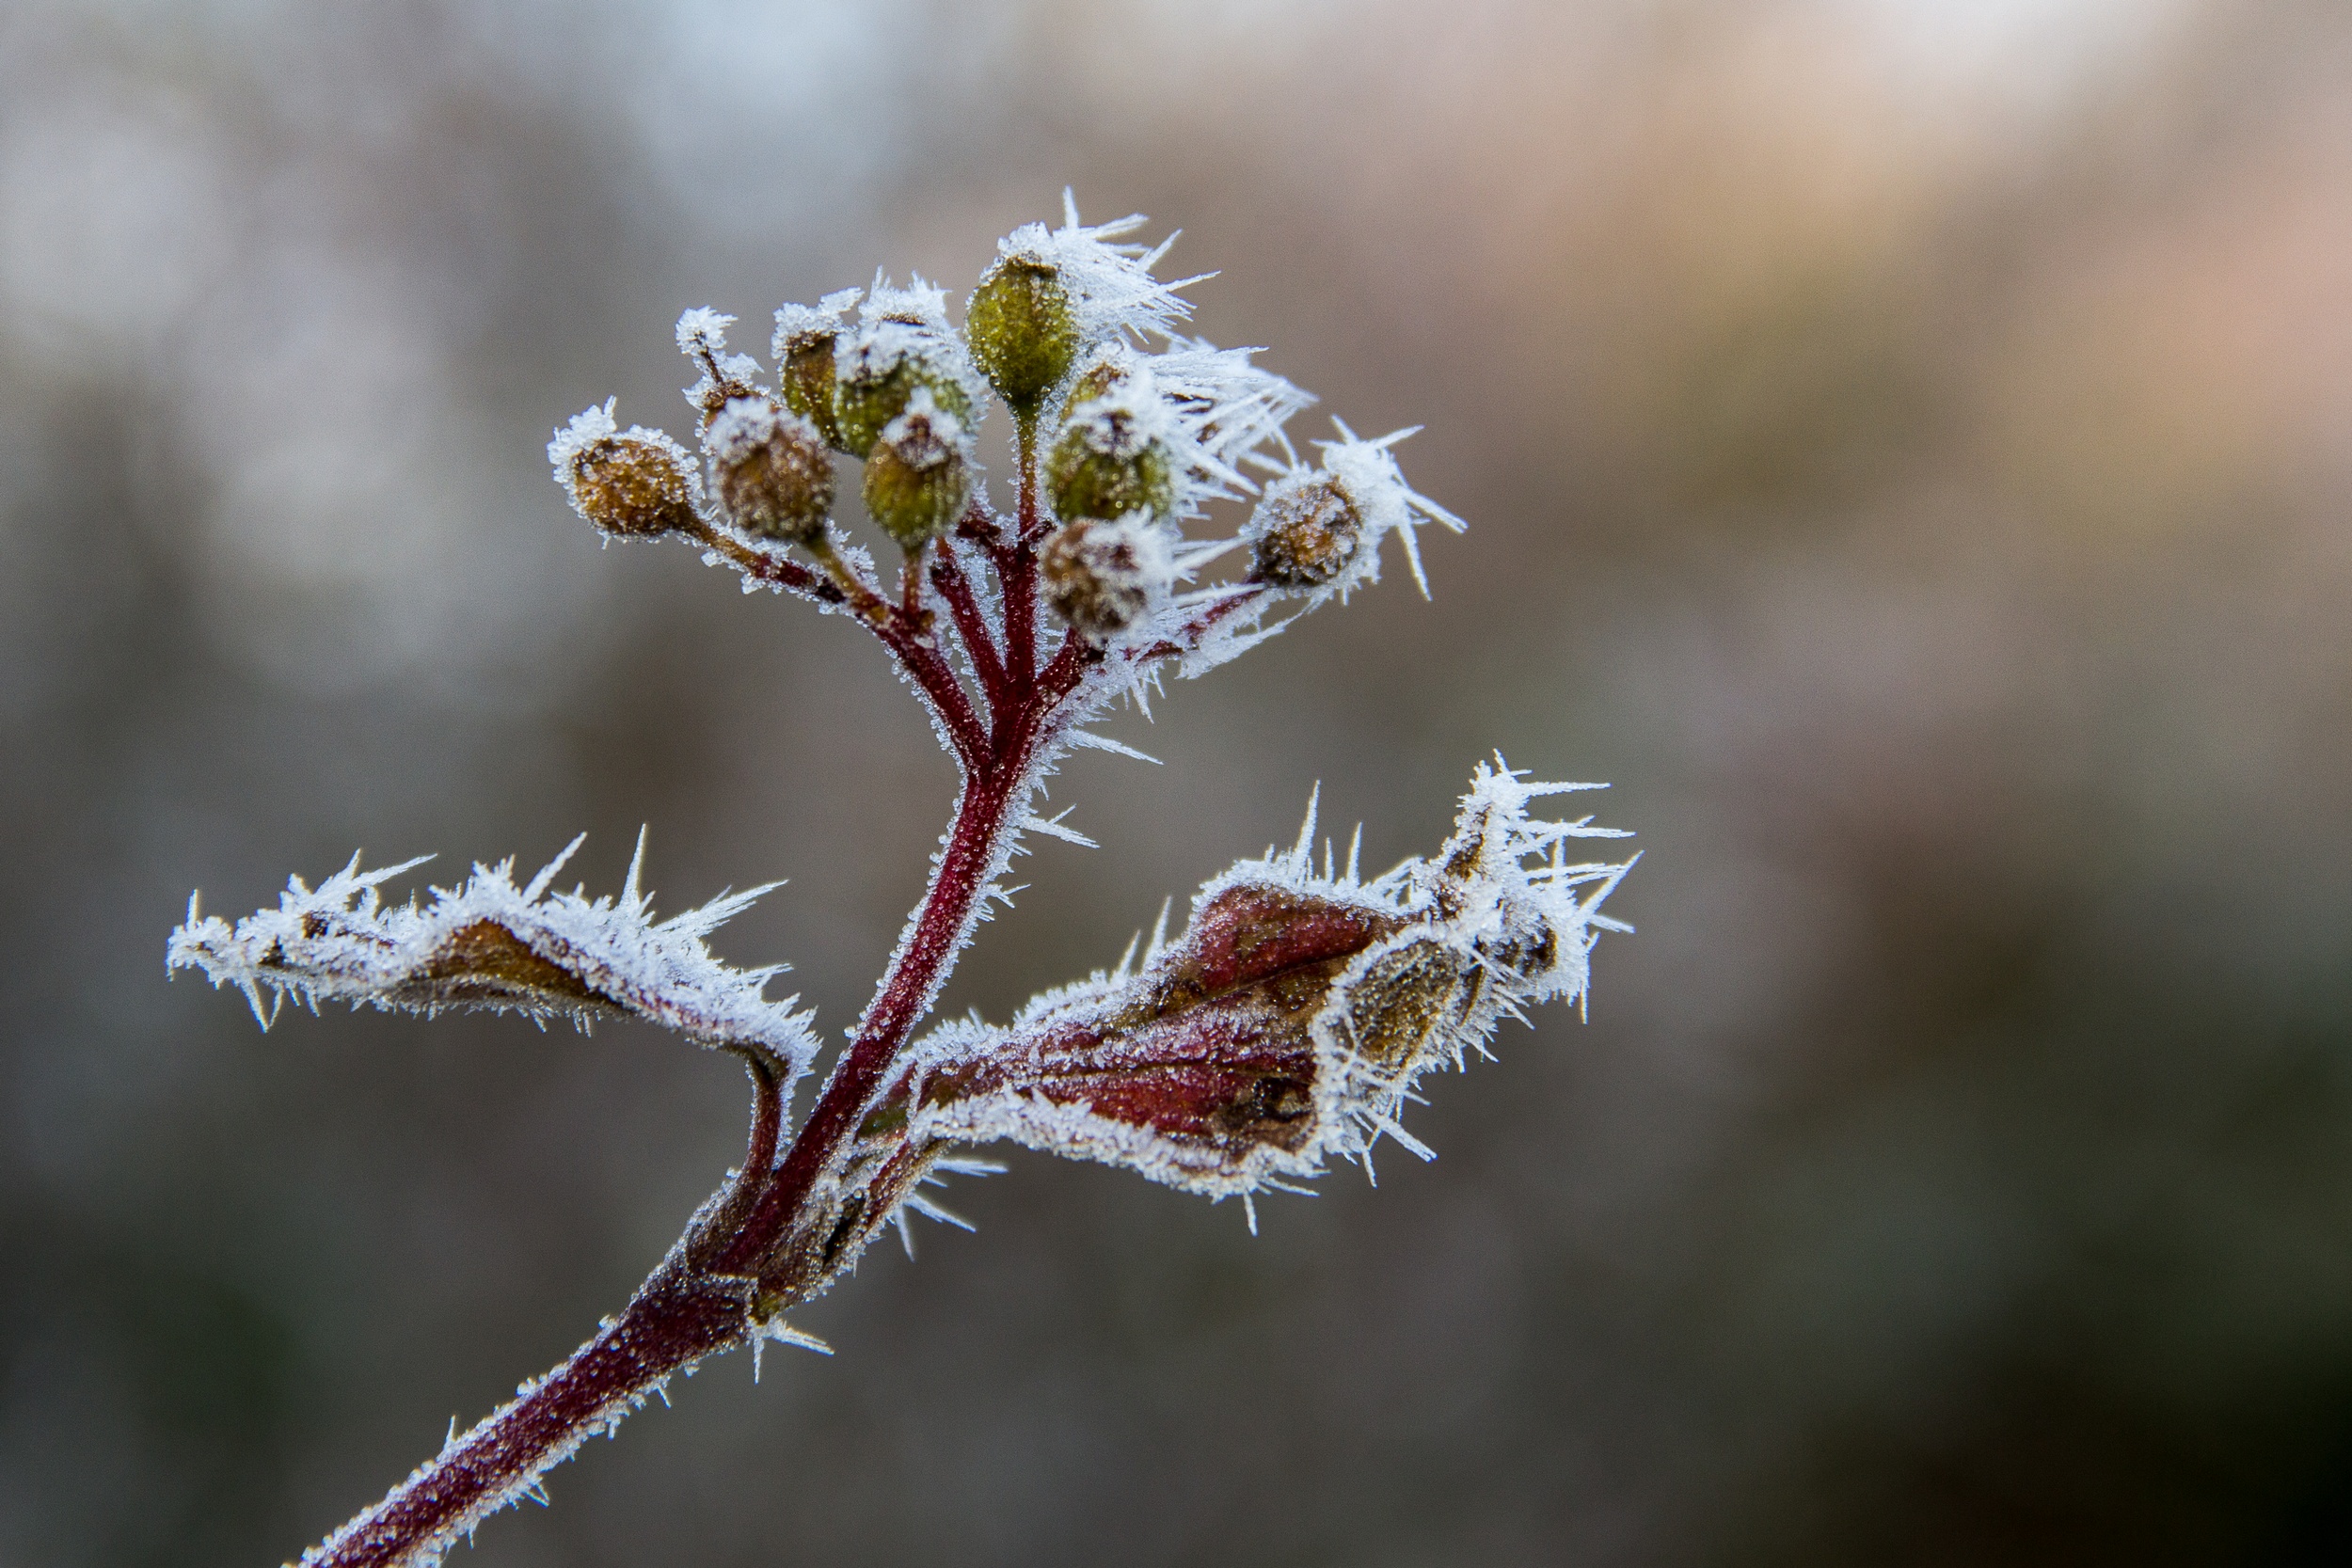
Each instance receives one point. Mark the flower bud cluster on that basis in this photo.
(1131, 441)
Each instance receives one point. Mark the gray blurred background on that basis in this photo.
(1908, 446)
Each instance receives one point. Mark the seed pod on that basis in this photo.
(1112, 459)
(805, 380)
(1103, 577)
(1023, 331)
(1111, 368)
(770, 471)
(917, 474)
(1305, 533)
(635, 484)
(881, 370)
(803, 349)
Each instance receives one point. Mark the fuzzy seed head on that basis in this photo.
(1307, 532)
(1023, 330)
(919, 477)
(1113, 458)
(770, 471)
(635, 484)
(1104, 578)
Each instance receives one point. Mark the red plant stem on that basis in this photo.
(703, 1298)
(979, 644)
(675, 1319)
(1016, 565)
(678, 1316)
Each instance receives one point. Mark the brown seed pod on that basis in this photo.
(1102, 578)
(1306, 532)
(770, 471)
(636, 484)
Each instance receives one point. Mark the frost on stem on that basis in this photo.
(1287, 1025)
(1289, 1021)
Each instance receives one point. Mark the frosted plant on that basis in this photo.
(1282, 1029)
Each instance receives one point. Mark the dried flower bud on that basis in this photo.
(1306, 532)
(803, 349)
(1104, 578)
(1113, 458)
(918, 476)
(1021, 328)
(770, 471)
(638, 483)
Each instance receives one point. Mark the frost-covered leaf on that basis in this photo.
(493, 945)
(1293, 1017)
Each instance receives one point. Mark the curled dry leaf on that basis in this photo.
(1293, 1016)
(492, 945)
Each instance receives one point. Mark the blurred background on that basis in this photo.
(1908, 446)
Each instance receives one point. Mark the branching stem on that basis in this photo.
(774, 1235)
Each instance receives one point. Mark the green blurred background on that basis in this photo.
(1907, 445)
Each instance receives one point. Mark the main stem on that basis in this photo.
(706, 1294)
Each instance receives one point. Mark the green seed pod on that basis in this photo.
(806, 382)
(1103, 577)
(1110, 461)
(1305, 533)
(770, 471)
(879, 373)
(636, 484)
(1023, 331)
(919, 477)
(1109, 370)
(805, 349)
